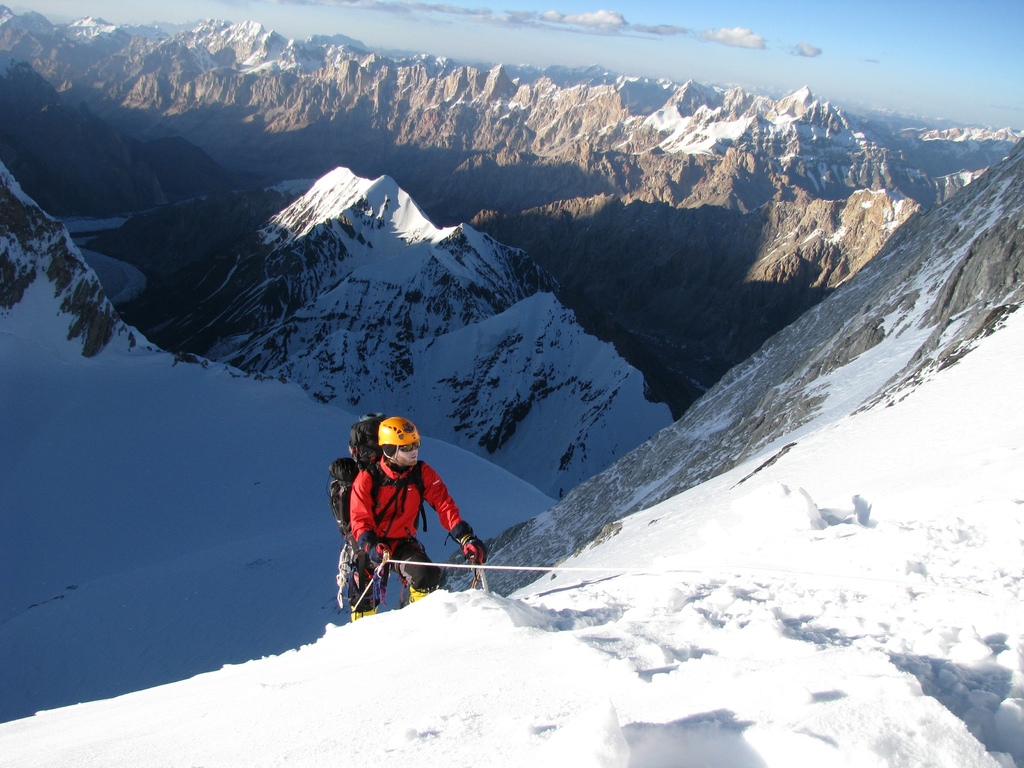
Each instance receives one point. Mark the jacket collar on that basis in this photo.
(391, 471)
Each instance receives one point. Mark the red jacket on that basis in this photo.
(400, 517)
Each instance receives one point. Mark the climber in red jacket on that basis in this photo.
(387, 502)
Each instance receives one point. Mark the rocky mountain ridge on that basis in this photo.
(38, 257)
(713, 284)
(73, 163)
(290, 108)
(946, 279)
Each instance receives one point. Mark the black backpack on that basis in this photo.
(365, 451)
(339, 490)
(362, 440)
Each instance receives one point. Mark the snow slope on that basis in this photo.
(858, 602)
(159, 517)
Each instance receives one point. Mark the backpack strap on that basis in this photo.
(401, 484)
(417, 477)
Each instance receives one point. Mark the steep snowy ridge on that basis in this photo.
(356, 295)
(943, 281)
(504, 383)
(68, 308)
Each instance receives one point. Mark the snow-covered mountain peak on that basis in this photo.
(796, 103)
(802, 107)
(643, 96)
(91, 26)
(691, 96)
(356, 295)
(370, 204)
(702, 133)
(252, 44)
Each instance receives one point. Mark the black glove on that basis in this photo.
(371, 545)
(378, 555)
(472, 548)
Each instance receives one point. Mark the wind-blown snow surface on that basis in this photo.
(161, 519)
(857, 602)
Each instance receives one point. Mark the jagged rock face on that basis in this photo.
(833, 239)
(942, 282)
(37, 256)
(713, 283)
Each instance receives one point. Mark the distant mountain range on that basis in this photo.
(683, 223)
(506, 139)
(75, 163)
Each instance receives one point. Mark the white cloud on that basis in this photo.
(736, 37)
(808, 50)
(446, 8)
(608, 21)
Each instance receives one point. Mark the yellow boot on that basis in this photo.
(417, 594)
(360, 614)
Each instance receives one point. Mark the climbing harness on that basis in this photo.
(378, 583)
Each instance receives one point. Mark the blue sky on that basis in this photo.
(934, 58)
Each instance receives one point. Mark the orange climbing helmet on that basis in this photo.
(397, 431)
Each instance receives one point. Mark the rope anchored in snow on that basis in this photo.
(542, 568)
